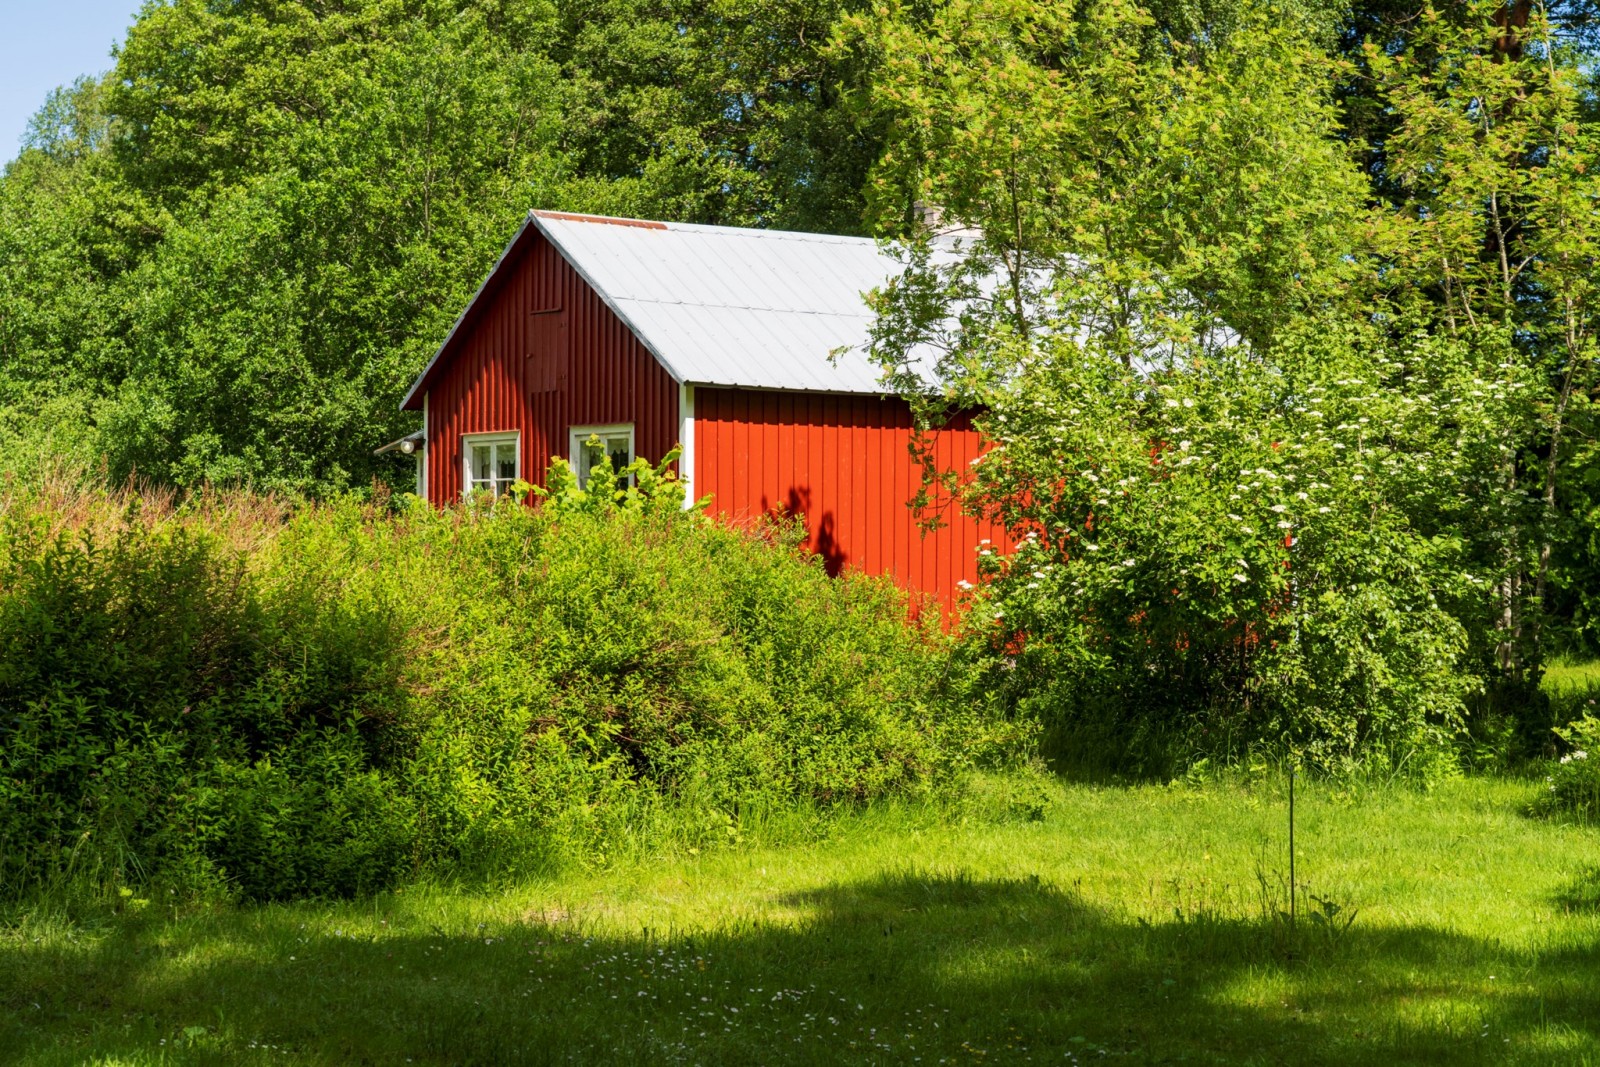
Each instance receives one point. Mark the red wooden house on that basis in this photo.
(652, 334)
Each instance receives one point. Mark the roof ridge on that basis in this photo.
(705, 227)
(865, 310)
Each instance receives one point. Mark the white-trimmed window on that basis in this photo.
(493, 461)
(614, 441)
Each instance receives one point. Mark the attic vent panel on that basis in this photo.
(547, 350)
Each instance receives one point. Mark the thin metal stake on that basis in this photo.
(1291, 846)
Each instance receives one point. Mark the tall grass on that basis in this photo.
(1036, 923)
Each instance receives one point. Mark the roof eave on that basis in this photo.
(814, 389)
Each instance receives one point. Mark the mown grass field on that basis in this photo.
(1129, 924)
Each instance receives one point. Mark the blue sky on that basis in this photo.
(46, 43)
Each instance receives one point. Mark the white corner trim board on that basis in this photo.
(686, 441)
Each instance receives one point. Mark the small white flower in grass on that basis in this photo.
(1285, 525)
(1127, 563)
(1580, 754)
(1323, 511)
(1172, 403)
(1235, 518)
(1279, 508)
(1301, 496)
(1241, 579)
(963, 584)
(1358, 477)
(1188, 403)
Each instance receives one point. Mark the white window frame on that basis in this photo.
(504, 437)
(577, 435)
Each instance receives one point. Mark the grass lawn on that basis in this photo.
(1133, 924)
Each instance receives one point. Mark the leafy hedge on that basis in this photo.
(238, 696)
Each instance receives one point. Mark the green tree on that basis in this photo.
(1257, 498)
(279, 207)
(1494, 238)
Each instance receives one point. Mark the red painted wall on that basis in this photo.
(523, 365)
(842, 461)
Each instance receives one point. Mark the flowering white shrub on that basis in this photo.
(1573, 784)
(1225, 552)
(1217, 550)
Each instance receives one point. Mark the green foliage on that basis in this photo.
(1141, 922)
(1403, 386)
(240, 698)
(1242, 520)
(1227, 554)
(640, 488)
(226, 262)
(1574, 779)
(1052, 130)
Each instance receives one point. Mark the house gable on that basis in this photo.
(537, 353)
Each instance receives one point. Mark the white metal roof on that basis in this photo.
(724, 305)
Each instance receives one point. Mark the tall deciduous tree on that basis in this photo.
(1257, 476)
(1493, 234)
(282, 204)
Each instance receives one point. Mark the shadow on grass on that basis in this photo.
(919, 968)
(1581, 896)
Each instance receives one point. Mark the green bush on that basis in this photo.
(1222, 556)
(1573, 784)
(243, 698)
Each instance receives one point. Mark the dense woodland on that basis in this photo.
(1283, 324)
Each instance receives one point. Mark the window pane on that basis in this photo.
(506, 460)
(617, 449)
(480, 462)
(592, 454)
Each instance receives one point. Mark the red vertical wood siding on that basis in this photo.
(844, 463)
(494, 382)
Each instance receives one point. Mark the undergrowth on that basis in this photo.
(234, 696)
